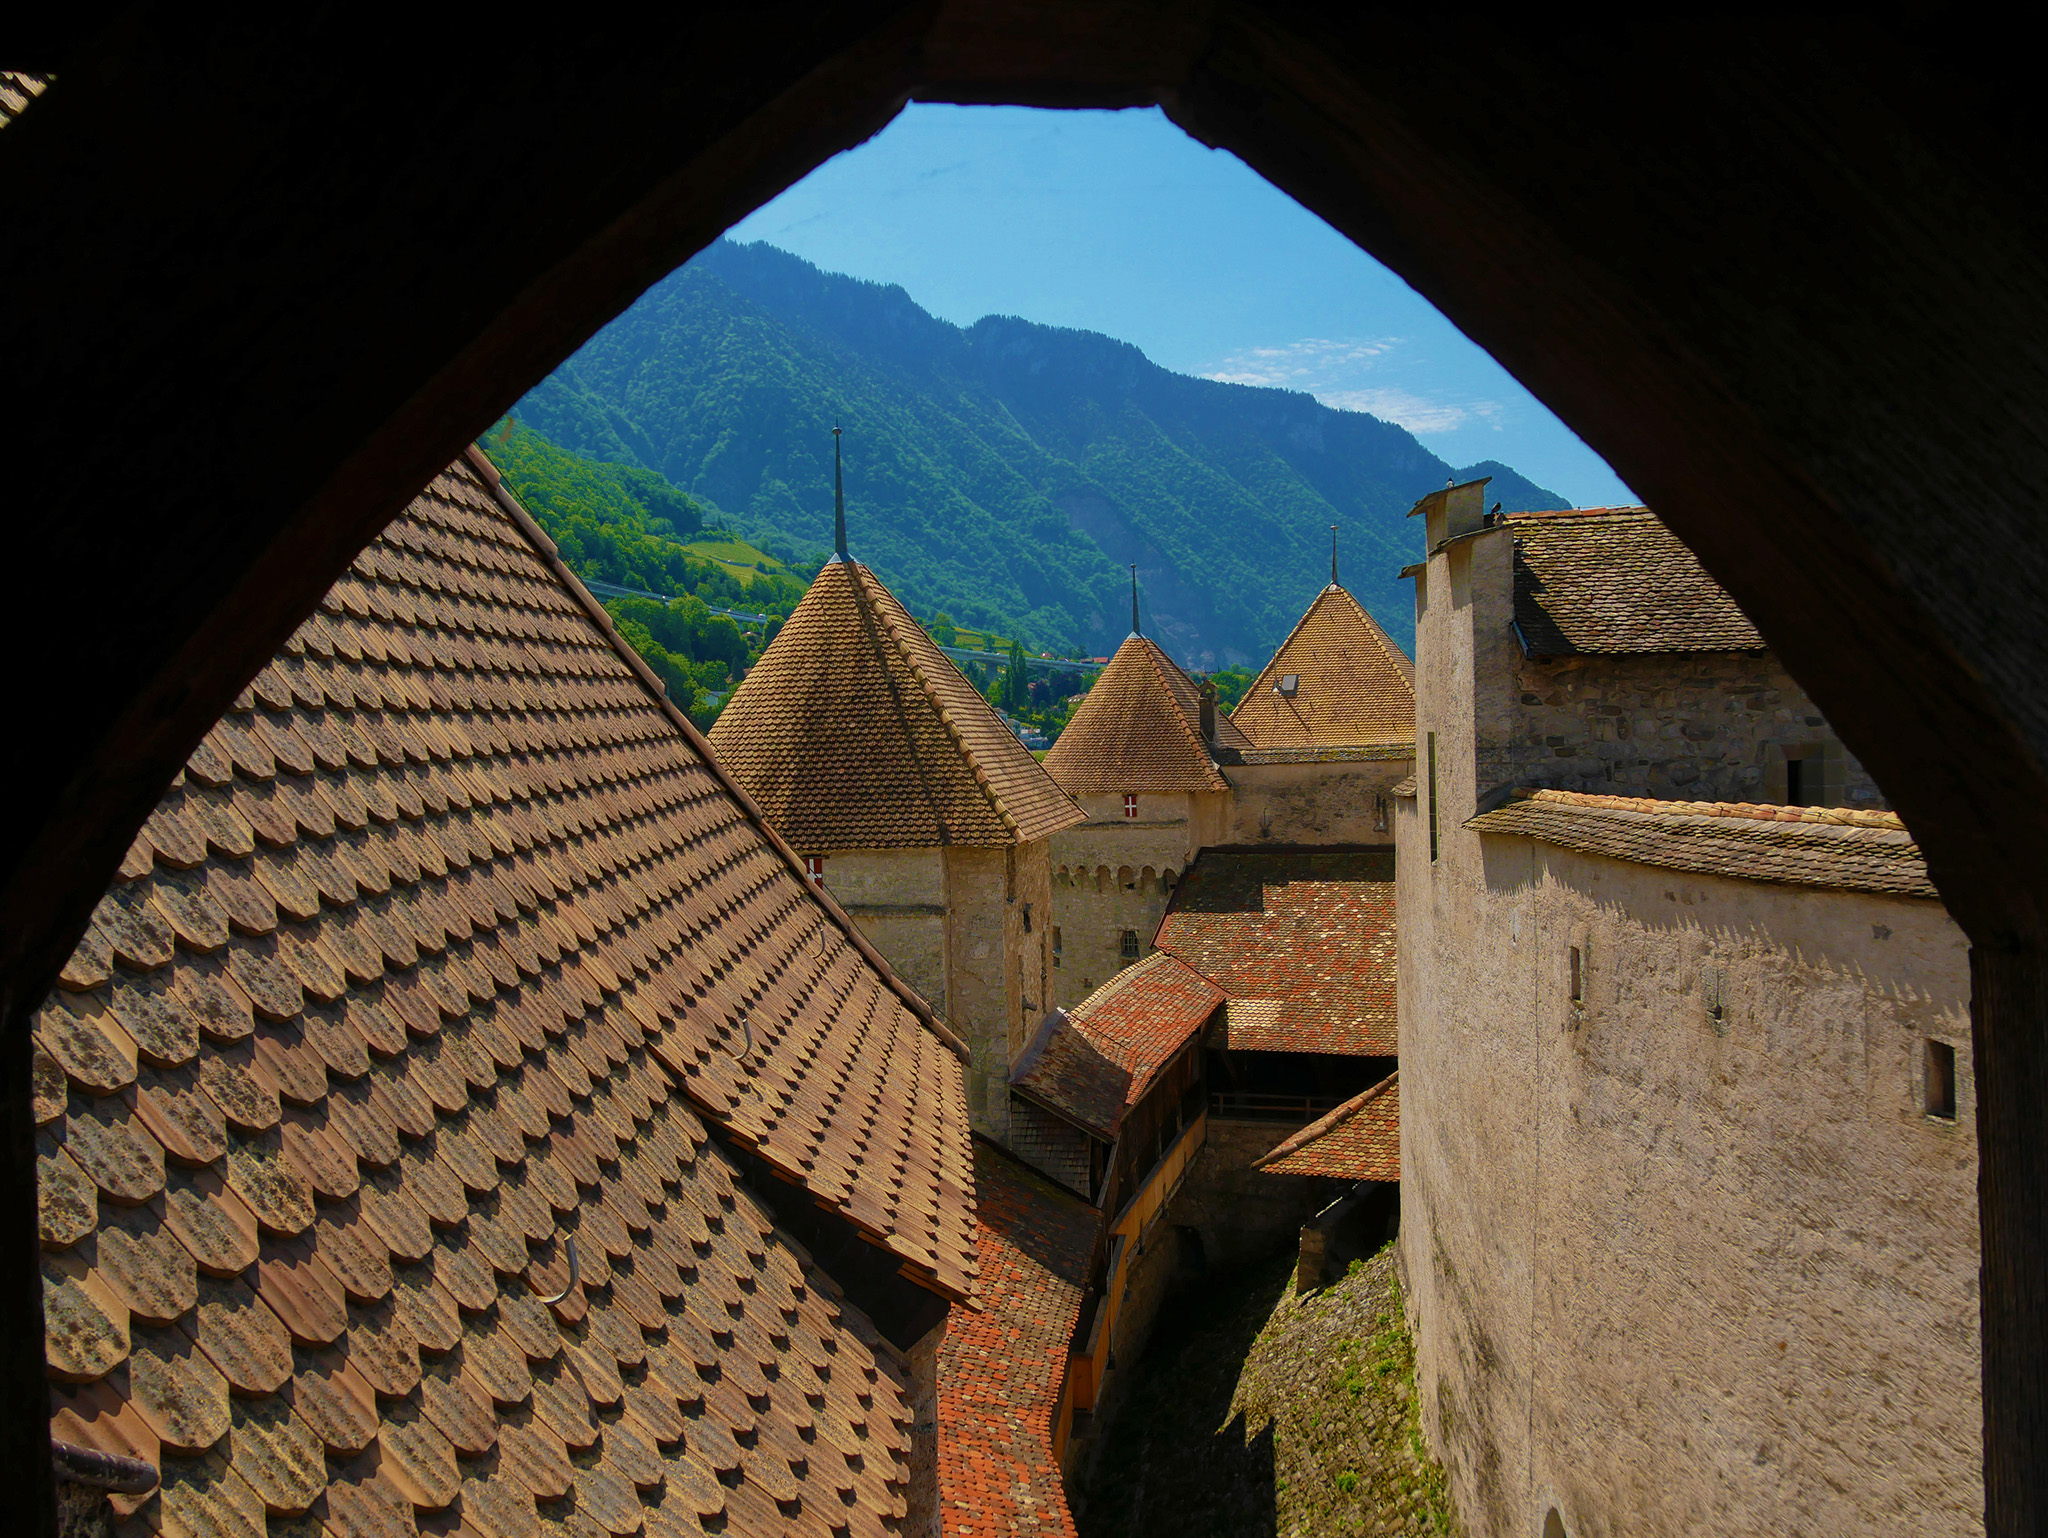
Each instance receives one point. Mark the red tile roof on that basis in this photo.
(1614, 579)
(1001, 1366)
(1354, 685)
(1094, 1063)
(430, 961)
(1302, 940)
(1360, 1140)
(1139, 729)
(854, 731)
(1795, 845)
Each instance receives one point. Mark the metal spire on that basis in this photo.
(1134, 599)
(1333, 555)
(838, 503)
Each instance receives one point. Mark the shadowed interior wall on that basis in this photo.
(1787, 280)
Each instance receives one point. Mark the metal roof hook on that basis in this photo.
(746, 1025)
(575, 1270)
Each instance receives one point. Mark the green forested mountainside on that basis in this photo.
(1006, 472)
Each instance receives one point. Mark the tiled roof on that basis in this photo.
(1139, 728)
(1796, 845)
(17, 90)
(854, 731)
(1354, 686)
(1614, 579)
(1094, 1063)
(429, 962)
(1360, 1140)
(1001, 1366)
(1307, 935)
(1406, 789)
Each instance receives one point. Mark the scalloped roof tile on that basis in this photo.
(854, 731)
(433, 959)
(1139, 729)
(1355, 685)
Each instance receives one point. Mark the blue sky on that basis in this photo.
(1120, 223)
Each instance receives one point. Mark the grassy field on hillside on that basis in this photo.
(1261, 1411)
(736, 556)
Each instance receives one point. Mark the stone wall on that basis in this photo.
(898, 897)
(1713, 726)
(1672, 1270)
(999, 965)
(1243, 1214)
(1113, 873)
(1330, 802)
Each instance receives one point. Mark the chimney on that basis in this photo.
(1209, 714)
(1452, 511)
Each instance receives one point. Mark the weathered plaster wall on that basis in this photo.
(1313, 803)
(1669, 1273)
(1243, 1214)
(1113, 873)
(1695, 727)
(898, 897)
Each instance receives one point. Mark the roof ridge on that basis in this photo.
(1153, 654)
(551, 554)
(1753, 811)
(1329, 1122)
(938, 705)
(1401, 662)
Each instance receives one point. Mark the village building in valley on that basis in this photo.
(1687, 1156)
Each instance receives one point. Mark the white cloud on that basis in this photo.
(1332, 369)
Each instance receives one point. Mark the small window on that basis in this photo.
(1941, 1080)
(1055, 945)
(1578, 975)
(1127, 946)
(1130, 806)
(814, 867)
(1798, 789)
(1432, 798)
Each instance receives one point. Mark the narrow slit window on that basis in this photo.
(1796, 790)
(1941, 1080)
(1055, 945)
(1127, 945)
(1432, 797)
(1130, 806)
(1578, 968)
(814, 867)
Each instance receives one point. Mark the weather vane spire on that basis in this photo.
(1333, 555)
(838, 502)
(1134, 599)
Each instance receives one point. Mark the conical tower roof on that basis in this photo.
(1353, 685)
(1140, 729)
(854, 731)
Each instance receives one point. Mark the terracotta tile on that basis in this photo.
(206, 1498)
(66, 1198)
(141, 1259)
(85, 1322)
(86, 1040)
(276, 1453)
(180, 1395)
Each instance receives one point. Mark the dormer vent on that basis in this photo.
(1289, 685)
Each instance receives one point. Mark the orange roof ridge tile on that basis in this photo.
(1359, 1140)
(1356, 686)
(1838, 816)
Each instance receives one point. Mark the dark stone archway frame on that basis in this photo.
(1786, 276)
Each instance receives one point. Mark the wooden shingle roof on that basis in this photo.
(1615, 580)
(1302, 940)
(1360, 1140)
(854, 731)
(1793, 845)
(1139, 729)
(1353, 686)
(450, 947)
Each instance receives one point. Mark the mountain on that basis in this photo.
(1005, 472)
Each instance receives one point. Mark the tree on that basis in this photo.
(1016, 690)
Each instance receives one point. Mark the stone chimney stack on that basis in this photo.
(1209, 714)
